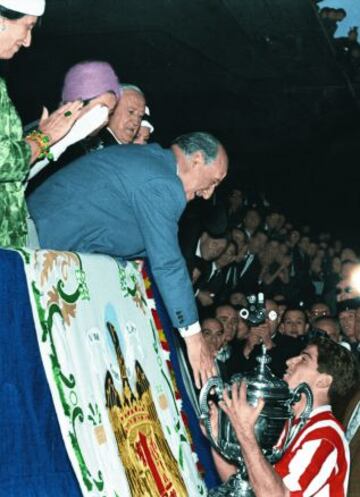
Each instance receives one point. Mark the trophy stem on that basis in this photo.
(235, 486)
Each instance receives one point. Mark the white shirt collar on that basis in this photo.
(198, 250)
(115, 137)
(318, 410)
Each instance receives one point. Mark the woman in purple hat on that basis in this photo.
(17, 154)
(97, 85)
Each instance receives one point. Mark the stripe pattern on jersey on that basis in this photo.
(317, 461)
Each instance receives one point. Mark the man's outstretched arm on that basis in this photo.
(158, 208)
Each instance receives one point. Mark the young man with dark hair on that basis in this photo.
(316, 462)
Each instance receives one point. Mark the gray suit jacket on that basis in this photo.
(126, 202)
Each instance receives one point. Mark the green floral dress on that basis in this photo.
(15, 156)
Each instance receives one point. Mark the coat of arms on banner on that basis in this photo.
(119, 414)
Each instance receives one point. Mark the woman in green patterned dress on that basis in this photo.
(17, 154)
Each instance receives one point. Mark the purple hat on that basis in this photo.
(88, 80)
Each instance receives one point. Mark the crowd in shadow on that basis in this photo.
(240, 249)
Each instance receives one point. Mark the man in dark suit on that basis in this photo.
(126, 202)
(215, 285)
(125, 120)
(244, 275)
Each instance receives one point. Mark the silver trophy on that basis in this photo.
(279, 399)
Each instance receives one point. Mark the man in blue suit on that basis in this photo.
(126, 202)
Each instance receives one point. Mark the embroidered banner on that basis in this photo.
(106, 362)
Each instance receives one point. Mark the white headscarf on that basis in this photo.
(145, 123)
(28, 7)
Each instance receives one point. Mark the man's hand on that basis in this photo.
(258, 335)
(242, 415)
(200, 358)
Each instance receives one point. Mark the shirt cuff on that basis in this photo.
(189, 331)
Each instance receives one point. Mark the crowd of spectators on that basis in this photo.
(243, 250)
(308, 280)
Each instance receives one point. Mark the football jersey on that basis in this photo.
(316, 463)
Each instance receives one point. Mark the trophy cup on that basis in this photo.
(261, 383)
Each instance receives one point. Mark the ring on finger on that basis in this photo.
(68, 113)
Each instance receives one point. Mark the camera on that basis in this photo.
(256, 313)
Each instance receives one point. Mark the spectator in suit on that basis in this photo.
(300, 286)
(239, 236)
(272, 223)
(213, 332)
(126, 119)
(203, 239)
(229, 317)
(251, 222)
(349, 319)
(249, 269)
(293, 239)
(216, 285)
(275, 272)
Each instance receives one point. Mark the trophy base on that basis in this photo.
(235, 486)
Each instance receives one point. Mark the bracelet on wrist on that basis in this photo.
(43, 142)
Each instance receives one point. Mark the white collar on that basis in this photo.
(114, 136)
(198, 250)
(320, 409)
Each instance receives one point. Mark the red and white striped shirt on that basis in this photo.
(317, 461)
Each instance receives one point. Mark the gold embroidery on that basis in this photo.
(150, 466)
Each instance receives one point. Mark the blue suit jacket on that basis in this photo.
(124, 201)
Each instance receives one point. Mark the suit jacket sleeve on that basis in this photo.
(158, 207)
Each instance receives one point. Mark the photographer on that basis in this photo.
(280, 347)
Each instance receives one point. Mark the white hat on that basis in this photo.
(28, 7)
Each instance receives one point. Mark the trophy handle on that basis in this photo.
(303, 388)
(217, 384)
